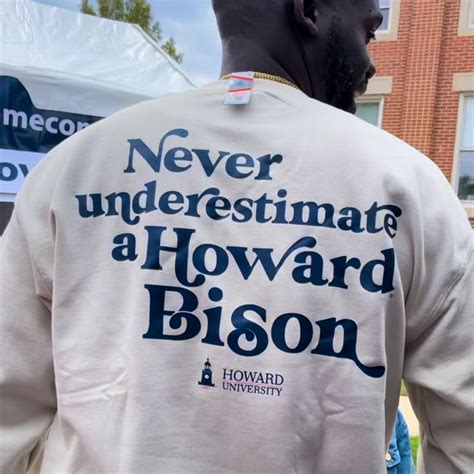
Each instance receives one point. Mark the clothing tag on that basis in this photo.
(240, 89)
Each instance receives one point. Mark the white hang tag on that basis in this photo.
(240, 88)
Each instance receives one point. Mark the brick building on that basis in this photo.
(424, 88)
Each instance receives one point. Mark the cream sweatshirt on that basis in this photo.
(189, 286)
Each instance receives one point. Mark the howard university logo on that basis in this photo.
(206, 376)
(244, 381)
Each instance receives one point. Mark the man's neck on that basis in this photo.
(242, 55)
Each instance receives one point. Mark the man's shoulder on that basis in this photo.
(148, 108)
(346, 124)
(347, 132)
(141, 115)
(324, 125)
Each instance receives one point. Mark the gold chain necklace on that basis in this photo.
(268, 77)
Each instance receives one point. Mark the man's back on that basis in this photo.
(233, 289)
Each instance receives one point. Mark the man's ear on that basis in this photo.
(306, 15)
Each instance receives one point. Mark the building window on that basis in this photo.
(391, 10)
(385, 8)
(466, 18)
(465, 180)
(370, 111)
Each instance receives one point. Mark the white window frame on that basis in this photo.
(373, 99)
(465, 29)
(378, 89)
(469, 205)
(391, 33)
(390, 10)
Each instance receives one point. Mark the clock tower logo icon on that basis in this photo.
(206, 377)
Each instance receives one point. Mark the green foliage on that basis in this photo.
(169, 47)
(414, 443)
(403, 390)
(113, 9)
(138, 12)
(86, 8)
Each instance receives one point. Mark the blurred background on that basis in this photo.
(190, 24)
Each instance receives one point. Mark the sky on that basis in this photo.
(191, 23)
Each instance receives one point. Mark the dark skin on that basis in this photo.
(319, 45)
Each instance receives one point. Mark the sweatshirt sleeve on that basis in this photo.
(27, 392)
(28, 401)
(439, 355)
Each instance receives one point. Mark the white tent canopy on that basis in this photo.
(50, 46)
(61, 71)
